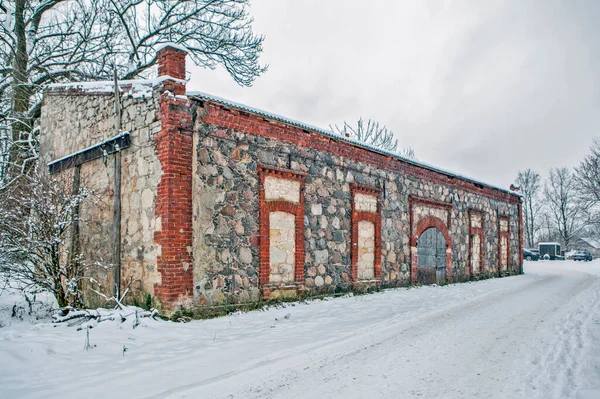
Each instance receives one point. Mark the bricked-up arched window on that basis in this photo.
(425, 213)
(476, 243)
(503, 244)
(281, 203)
(366, 234)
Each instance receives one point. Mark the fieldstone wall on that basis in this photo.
(226, 209)
(421, 211)
(73, 119)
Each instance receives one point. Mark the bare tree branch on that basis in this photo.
(373, 134)
(51, 41)
(587, 176)
(529, 183)
(564, 205)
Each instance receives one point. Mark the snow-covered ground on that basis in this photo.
(532, 336)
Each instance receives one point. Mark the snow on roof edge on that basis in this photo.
(109, 84)
(222, 101)
(161, 46)
(591, 242)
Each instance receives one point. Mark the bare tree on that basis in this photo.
(38, 249)
(587, 175)
(529, 183)
(564, 206)
(374, 134)
(547, 231)
(371, 134)
(408, 152)
(49, 41)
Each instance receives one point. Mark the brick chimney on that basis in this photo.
(171, 63)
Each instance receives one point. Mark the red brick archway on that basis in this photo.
(424, 224)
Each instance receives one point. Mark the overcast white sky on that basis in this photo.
(481, 87)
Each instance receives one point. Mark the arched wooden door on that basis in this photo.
(431, 248)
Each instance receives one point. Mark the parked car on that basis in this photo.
(582, 255)
(530, 255)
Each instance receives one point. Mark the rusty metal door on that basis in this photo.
(431, 249)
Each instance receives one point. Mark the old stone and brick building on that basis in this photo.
(222, 203)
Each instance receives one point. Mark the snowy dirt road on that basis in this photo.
(530, 336)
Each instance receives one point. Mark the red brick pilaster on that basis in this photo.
(265, 208)
(173, 204)
(520, 227)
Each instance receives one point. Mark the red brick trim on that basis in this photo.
(282, 173)
(520, 210)
(424, 224)
(428, 222)
(480, 232)
(259, 125)
(500, 235)
(174, 201)
(265, 208)
(375, 218)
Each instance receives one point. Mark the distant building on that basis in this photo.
(224, 203)
(590, 244)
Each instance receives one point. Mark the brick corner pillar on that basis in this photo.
(520, 222)
(173, 205)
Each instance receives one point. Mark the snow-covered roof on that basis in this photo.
(594, 243)
(170, 44)
(302, 125)
(135, 88)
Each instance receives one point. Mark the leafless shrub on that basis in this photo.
(37, 249)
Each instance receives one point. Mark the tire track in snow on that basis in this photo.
(558, 372)
(273, 377)
(362, 364)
